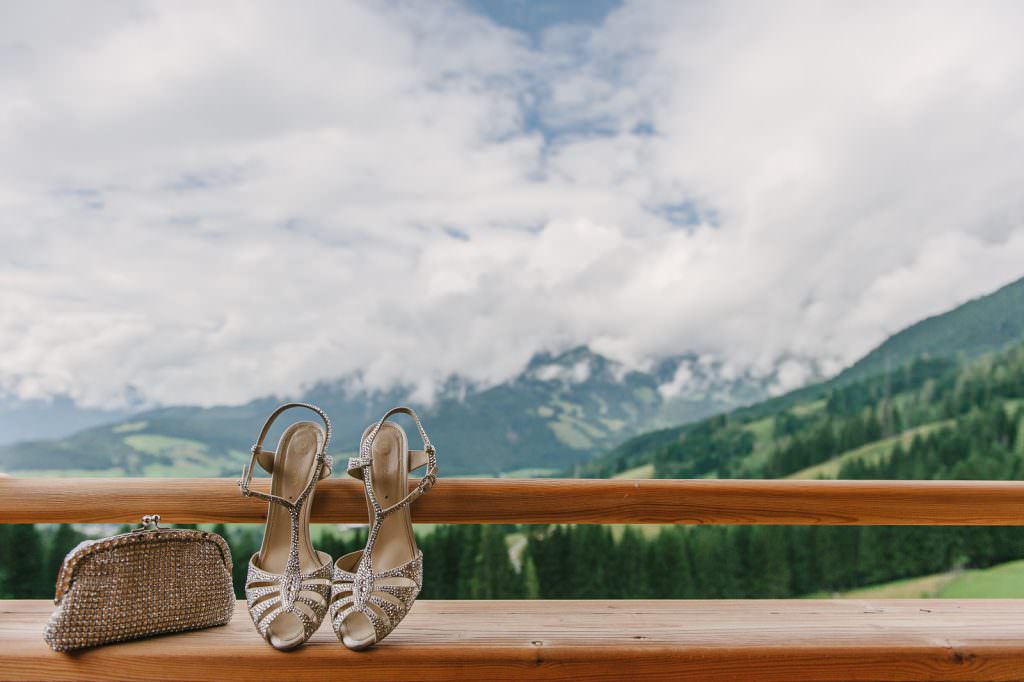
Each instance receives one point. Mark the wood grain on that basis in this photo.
(788, 502)
(593, 640)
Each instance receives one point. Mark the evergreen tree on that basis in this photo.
(531, 584)
(770, 570)
(470, 542)
(631, 561)
(63, 540)
(592, 551)
(5, 549)
(494, 577)
(548, 547)
(243, 543)
(25, 563)
(669, 573)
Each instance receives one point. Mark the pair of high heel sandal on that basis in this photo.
(290, 586)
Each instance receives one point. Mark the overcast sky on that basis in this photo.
(206, 202)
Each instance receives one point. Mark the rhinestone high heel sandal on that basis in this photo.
(288, 582)
(374, 588)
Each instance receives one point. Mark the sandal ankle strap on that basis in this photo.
(365, 459)
(323, 461)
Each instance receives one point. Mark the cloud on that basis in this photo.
(207, 202)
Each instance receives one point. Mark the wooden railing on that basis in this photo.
(782, 502)
(706, 640)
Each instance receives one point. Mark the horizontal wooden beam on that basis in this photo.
(783, 502)
(712, 641)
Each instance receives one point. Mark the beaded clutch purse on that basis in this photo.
(150, 581)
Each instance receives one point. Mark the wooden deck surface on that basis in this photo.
(585, 640)
(340, 500)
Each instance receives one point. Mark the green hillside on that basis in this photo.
(1004, 581)
(905, 424)
(986, 324)
(772, 438)
(872, 453)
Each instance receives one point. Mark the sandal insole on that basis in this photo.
(396, 543)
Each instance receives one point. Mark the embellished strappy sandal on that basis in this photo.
(374, 588)
(288, 584)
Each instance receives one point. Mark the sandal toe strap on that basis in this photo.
(267, 597)
(384, 605)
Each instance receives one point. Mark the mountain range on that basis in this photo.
(52, 418)
(576, 411)
(558, 412)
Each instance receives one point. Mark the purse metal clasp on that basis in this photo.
(149, 522)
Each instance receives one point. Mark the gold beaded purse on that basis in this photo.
(146, 582)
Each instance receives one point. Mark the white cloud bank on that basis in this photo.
(205, 202)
